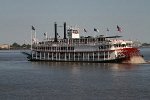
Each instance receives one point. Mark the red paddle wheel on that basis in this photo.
(127, 53)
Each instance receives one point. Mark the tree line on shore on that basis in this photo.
(146, 45)
(18, 46)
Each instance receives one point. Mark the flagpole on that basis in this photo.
(31, 40)
(107, 32)
(35, 36)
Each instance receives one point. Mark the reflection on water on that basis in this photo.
(78, 65)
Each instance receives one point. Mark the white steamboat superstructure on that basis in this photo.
(73, 48)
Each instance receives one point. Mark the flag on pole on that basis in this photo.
(96, 30)
(107, 30)
(118, 29)
(45, 34)
(85, 30)
(58, 35)
(33, 28)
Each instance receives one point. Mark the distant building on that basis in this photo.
(4, 46)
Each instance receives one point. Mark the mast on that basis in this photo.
(31, 40)
(33, 36)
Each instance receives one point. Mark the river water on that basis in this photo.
(24, 80)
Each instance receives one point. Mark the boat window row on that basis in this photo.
(76, 41)
(119, 45)
(55, 48)
(104, 46)
(86, 40)
(73, 56)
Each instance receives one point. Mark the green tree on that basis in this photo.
(15, 46)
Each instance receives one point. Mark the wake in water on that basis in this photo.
(136, 60)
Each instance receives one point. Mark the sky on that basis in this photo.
(17, 17)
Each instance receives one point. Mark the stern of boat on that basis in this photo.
(128, 53)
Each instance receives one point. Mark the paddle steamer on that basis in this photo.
(73, 48)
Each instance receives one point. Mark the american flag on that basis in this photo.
(118, 28)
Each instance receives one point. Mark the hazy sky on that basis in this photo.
(17, 16)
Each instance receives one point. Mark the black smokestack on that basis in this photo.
(55, 26)
(64, 30)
